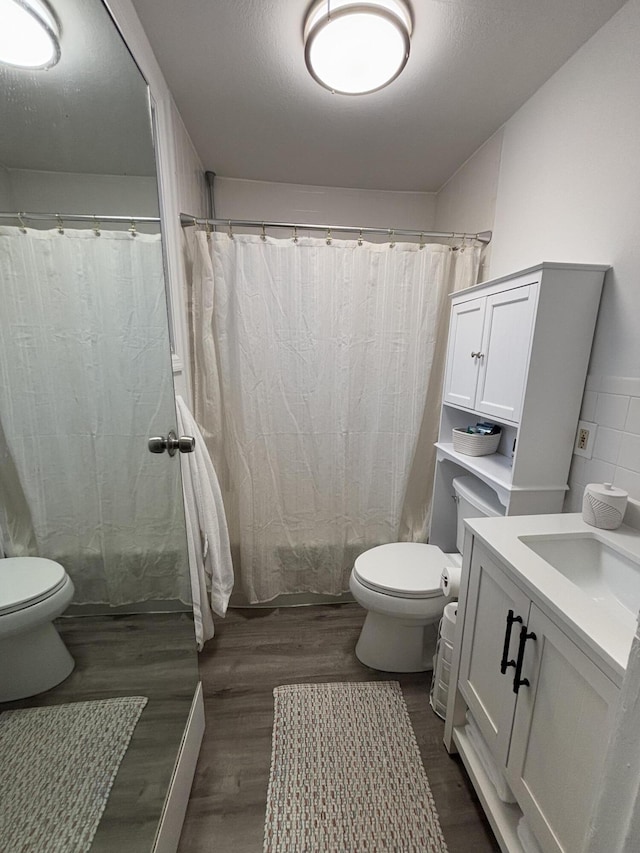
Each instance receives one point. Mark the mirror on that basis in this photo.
(85, 380)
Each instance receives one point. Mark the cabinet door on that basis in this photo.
(505, 352)
(559, 736)
(486, 689)
(465, 338)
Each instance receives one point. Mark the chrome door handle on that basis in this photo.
(172, 444)
(477, 355)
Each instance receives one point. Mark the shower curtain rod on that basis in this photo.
(79, 217)
(482, 237)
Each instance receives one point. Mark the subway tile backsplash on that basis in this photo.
(616, 451)
(633, 416)
(611, 410)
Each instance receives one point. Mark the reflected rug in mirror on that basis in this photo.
(57, 766)
(346, 773)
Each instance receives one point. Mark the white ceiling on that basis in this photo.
(89, 113)
(237, 72)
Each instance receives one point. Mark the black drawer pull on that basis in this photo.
(505, 663)
(517, 680)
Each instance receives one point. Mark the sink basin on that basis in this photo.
(605, 574)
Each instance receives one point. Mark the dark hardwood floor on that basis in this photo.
(256, 650)
(149, 655)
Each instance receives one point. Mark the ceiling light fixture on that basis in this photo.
(29, 35)
(354, 48)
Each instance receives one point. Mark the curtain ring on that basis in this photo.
(60, 224)
(392, 235)
(421, 246)
(263, 236)
(360, 238)
(132, 228)
(23, 227)
(96, 226)
(295, 233)
(329, 237)
(230, 231)
(207, 229)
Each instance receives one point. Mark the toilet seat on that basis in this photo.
(25, 581)
(402, 569)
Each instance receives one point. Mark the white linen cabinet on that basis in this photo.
(488, 351)
(518, 352)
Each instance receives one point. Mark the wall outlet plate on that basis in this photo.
(585, 439)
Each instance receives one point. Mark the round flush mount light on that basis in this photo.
(355, 48)
(29, 36)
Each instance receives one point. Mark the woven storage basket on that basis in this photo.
(474, 444)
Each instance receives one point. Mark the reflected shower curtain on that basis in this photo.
(84, 375)
(317, 380)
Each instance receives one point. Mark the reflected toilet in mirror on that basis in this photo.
(33, 658)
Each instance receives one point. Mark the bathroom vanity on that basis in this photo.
(546, 618)
(517, 355)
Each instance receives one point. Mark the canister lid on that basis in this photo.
(606, 490)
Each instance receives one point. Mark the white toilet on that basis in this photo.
(399, 585)
(33, 658)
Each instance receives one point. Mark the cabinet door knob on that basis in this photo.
(517, 680)
(505, 663)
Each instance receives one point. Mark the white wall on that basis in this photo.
(191, 197)
(569, 185)
(467, 201)
(236, 198)
(7, 203)
(191, 191)
(568, 189)
(114, 195)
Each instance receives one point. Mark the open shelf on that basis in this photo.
(460, 416)
(494, 469)
(503, 817)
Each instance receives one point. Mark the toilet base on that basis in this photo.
(393, 644)
(32, 662)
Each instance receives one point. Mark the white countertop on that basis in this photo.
(610, 639)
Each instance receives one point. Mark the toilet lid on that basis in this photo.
(405, 569)
(27, 580)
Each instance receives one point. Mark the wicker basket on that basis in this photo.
(474, 444)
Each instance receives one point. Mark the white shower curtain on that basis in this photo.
(318, 370)
(84, 377)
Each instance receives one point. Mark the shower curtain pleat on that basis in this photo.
(317, 378)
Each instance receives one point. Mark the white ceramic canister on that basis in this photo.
(603, 505)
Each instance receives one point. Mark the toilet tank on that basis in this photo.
(474, 499)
